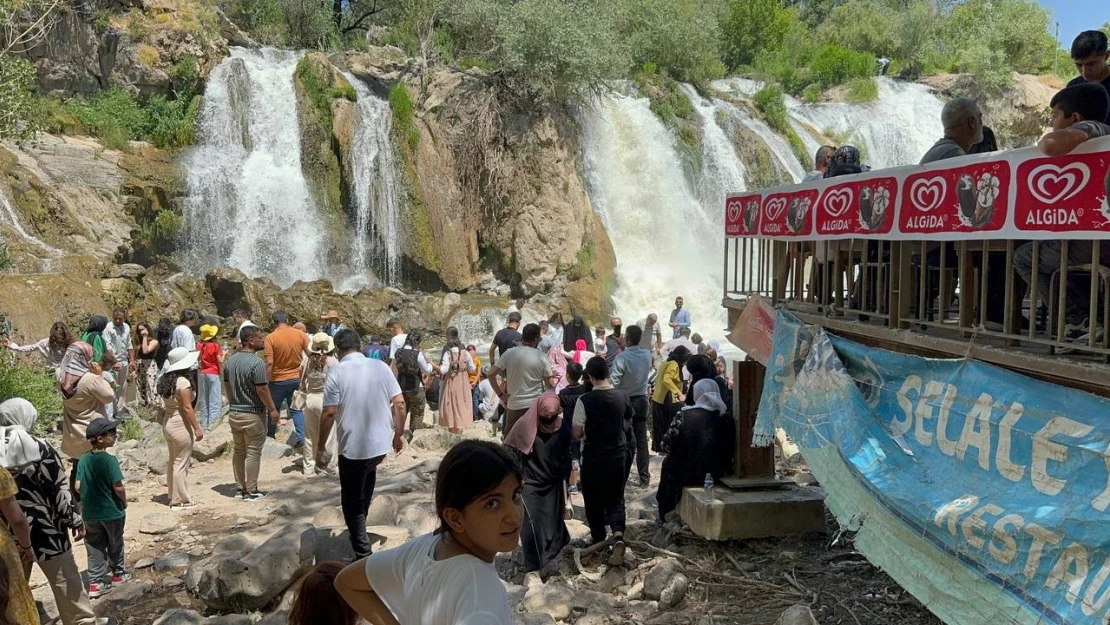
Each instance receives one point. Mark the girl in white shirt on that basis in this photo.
(447, 577)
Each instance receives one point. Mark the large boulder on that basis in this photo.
(215, 443)
(252, 581)
(380, 66)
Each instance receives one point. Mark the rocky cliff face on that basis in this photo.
(97, 43)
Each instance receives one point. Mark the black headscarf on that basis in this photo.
(97, 324)
(576, 329)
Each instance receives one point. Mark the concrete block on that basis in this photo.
(726, 514)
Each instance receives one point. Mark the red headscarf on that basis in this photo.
(579, 347)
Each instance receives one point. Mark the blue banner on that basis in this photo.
(981, 491)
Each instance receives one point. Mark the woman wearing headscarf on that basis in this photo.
(84, 395)
(545, 449)
(667, 397)
(49, 507)
(575, 330)
(178, 389)
(558, 362)
(94, 335)
(697, 443)
(456, 403)
(321, 359)
(52, 348)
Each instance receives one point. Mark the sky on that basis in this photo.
(1076, 16)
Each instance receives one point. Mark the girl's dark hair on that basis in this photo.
(149, 330)
(452, 340)
(469, 470)
(167, 384)
(679, 354)
(597, 368)
(317, 601)
(97, 323)
(60, 338)
(574, 371)
(556, 317)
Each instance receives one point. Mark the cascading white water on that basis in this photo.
(376, 243)
(248, 203)
(8, 214)
(665, 243)
(722, 172)
(896, 129)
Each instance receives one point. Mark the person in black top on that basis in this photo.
(506, 338)
(603, 422)
(568, 399)
(699, 442)
(1089, 51)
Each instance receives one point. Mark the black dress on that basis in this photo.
(702, 446)
(545, 472)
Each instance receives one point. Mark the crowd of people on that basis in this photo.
(1079, 112)
(576, 407)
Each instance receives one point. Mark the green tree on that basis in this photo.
(680, 37)
(861, 25)
(23, 24)
(991, 38)
(752, 27)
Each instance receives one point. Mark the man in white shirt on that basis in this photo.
(117, 337)
(364, 402)
(397, 338)
(527, 374)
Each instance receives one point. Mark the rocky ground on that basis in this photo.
(229, 562)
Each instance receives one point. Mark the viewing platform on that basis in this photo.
(928, 260)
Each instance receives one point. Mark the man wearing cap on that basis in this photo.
(248, 397)
(331, 323)
(117, 337)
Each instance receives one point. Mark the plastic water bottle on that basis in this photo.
(708, 481)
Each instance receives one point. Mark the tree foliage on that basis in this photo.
(752, 28)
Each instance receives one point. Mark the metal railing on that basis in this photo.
(1016, 293)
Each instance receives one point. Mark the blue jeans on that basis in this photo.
(282, 393)
(210, 401)
(475, 396)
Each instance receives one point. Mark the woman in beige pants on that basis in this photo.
(315, 373)
(178, 389)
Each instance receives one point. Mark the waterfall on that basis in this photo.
(248, 203)
(722, 172)
(376, 243)
(894, 130)
(8, 214)
(666, 244)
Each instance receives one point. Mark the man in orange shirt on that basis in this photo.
(284, 352)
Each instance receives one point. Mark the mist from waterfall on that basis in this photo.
(248, 204)
(376, 238)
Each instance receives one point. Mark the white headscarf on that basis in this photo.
(17, 447)
(707, 396)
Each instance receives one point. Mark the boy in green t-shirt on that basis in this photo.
(104, 501)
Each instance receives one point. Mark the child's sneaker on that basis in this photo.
(97, 589)
(119, 578)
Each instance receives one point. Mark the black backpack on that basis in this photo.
(408, 368)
